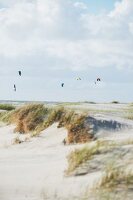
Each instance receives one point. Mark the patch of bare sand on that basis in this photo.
(35, 170)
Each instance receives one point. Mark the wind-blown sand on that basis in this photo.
(34, 170)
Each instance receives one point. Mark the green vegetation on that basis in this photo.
(7, 107)
(115, 102)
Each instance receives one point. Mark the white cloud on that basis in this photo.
(55, 33)
(122, 9)
(80, 5)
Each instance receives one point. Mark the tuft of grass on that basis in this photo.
(28, 117)
(79, 156)
(73, 122)
(116, 183)
(53, 115)
(78, 132)
(129, 112)
(116, 176)
(7, 107)
(5, 116)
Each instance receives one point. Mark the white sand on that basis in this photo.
(35, 170)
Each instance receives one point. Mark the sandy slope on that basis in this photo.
(34, 170)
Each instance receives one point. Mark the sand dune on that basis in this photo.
(34, 170)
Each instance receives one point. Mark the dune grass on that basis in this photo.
(117, 183)
(79, 156)
(36, 117)
(116, 177)
(129, 115)
(129, 112)
(73, 122)
(7, 107)
(28, 117)
(5, 116)
(77, 130)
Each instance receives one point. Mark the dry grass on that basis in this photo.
(116, 177)
(116, 183)
(5, 116)
(36, 117)
(78, 132)
(28, 117)
(73, 122)
(129, 112)
(126, 142)
(79, 156)
(53, 115)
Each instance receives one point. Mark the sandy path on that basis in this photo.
(35, 170)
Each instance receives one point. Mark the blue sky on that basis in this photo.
(96, 6)
(55, 41)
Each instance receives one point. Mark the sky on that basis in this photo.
(56, 41)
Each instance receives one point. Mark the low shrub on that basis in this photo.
(7, 107)
(115, 102)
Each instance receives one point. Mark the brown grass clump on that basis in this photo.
(116, 184)
(35, 118)
(114, 178)
(28, 117)
(53, 115)
(74, 123)
(79, 156)
(76, 158)
(66, 118)
(78, 132)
